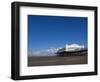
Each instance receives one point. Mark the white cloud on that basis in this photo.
(73, 47)
(52, 51)
(45, 52)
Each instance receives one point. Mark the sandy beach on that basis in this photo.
(56, 60)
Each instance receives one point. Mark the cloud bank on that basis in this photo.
(52, 51)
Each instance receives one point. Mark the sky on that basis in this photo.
(55, 31)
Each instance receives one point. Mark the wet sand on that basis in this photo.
(56, 60)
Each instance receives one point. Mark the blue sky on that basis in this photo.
(55, 31)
